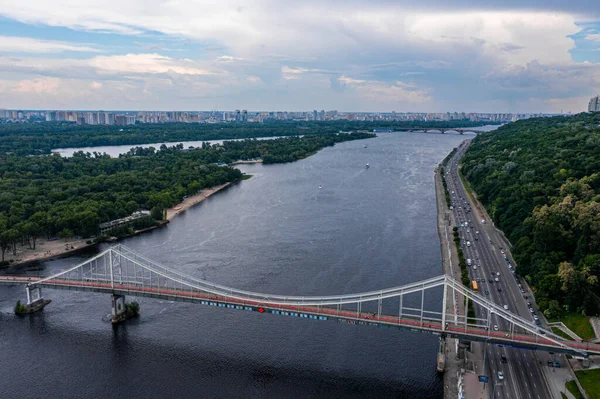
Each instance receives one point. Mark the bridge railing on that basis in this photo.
(121, 265)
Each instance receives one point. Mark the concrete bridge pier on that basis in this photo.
(35, 301)
(34, 295)
(119, 311)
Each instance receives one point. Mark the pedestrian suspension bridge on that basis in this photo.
(120, 271)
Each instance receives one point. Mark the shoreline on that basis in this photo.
(240, 162)
(193, 200)
(51, 249)
(449, 263)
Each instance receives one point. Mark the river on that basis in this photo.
(277, 232)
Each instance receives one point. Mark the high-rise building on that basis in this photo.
(244, 115)
(594, 105)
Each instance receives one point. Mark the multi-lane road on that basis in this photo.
(522, 373)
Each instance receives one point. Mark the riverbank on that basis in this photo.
(54, 248)
(193, 200)
(445, 221)
(246, 162)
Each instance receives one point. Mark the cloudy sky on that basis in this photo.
(464, 55)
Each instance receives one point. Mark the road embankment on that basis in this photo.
(445, 221)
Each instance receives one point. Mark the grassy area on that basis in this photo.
(579, 324)
(561, 333)
(590, 381)
(572, 387)
(467, 187)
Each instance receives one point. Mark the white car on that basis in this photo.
(496, 279)
(495, 327)
(497, 273)
(502, 251)
(500, 375)
(506, 307)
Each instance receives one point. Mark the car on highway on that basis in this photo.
(491, 280)
(487, 292)
(502, 252)
(499, 289)
(496, 279)
(503, 358)
(531, 310)
(500, 375)
(505, 307)
(495, 327)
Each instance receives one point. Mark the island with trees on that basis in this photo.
(54, 197)
(42, 138)
(539, 179)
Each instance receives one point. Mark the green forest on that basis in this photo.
(49, 196)
(539, 180)
(41, 138)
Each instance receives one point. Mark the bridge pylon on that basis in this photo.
(34, 295)
(118, 308)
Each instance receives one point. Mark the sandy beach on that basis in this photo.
(193, 200)
(250, 161)
(47, 249)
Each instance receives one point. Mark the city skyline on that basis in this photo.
(131, 117)
(504, 57)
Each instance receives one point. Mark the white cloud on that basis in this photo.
(145, 63)
(16, 44)
(344, 54)
(594, 37)
(292, 73)
(506, 37)
(382, 92)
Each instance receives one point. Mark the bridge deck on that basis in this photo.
(405, 322)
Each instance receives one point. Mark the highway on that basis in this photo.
(523, 376)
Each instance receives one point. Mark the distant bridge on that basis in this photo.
(120, 271)
(438, 130)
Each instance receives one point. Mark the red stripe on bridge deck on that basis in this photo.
(321, 311)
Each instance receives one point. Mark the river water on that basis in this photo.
(277, 232)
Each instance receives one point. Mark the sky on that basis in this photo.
(354, 56)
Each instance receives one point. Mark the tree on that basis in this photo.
(4, 236)
(66, 233)
(157, 213)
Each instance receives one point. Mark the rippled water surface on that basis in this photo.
(365, 229)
